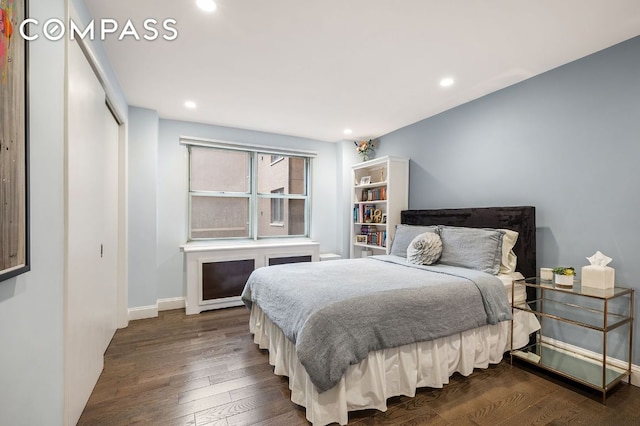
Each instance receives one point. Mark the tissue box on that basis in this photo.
(602, 277)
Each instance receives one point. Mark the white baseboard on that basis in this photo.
(151, 311)
(169, 304)
(635, 369)
(143, 312)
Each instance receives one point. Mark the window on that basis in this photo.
(239, 192)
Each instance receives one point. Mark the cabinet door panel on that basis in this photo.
(225, 278)
(289, 259)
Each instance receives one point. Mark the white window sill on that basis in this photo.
(213, 245)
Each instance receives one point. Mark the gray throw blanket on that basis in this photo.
(337, 312)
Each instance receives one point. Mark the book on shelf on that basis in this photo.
(374, 236)
(374, 194)
(364, 213)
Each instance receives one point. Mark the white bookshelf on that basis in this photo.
(387, 193)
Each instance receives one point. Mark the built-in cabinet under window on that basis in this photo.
(217, 271)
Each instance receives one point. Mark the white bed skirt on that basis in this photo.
(388, 372)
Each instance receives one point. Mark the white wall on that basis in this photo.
(31, 305)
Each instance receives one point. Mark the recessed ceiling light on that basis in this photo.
(206, 5)
(446, 82)
(190, 104)
(347, 131)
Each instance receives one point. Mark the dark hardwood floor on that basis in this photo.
(205, 370)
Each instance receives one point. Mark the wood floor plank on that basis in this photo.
(225, 386)
(226, 411)
(205, 370)
(275, 384)
(205, 403)
(289, 418)
(269, 411)
(549, 410)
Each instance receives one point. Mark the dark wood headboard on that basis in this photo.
(519, 219)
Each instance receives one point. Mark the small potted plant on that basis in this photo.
(563, 275)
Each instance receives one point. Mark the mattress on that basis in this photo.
(519, 289)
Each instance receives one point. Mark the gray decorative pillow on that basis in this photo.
(473, 248)
(425, 249)
(405, 234)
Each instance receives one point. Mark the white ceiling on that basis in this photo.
(313, 68)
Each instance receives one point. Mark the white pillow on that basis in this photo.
(509, 258)
(424, 249)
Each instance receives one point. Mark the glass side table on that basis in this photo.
(585, 307)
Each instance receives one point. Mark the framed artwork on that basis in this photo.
(365, 180)
(361, 239)
(14, 153)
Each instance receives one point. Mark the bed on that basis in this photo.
(350, 334)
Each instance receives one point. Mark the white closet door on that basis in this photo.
(91, 263)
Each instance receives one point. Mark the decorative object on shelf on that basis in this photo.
(366, 149)
(377, 216)
(546, 274)
(598, 274)
(361, 239)
(365, 180)
(384, 218)
(563, 275)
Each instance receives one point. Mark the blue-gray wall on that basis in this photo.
(566, 142)
(31, 305)
(142, 170)
(158, 198)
